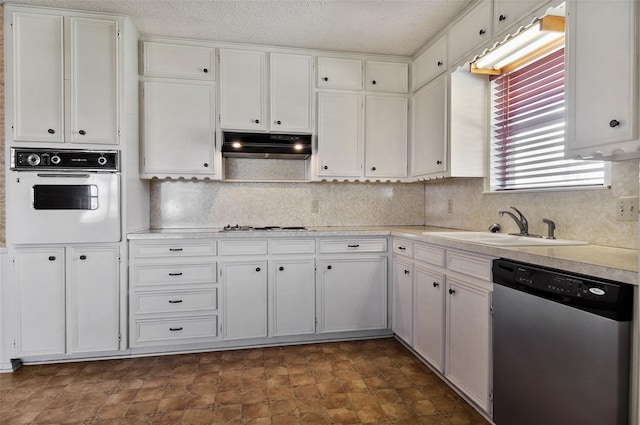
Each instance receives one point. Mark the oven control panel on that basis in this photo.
(24, 159)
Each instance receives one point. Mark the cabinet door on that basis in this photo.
(40, 289)
(340, 134)
(508, 13)
(353, 294)
(470, 32)
(428, 316)
(402, 322)
(291, 77)
(244, 295)
(293, 297)
(386, 136)
(468, 339)
(390, 77)
(178, 132)
(93, 313)
(178, 61)
(429, 147)
(337, 73)
(94, 81)
(242, 90)
(431, 63)
(602, 111)
(38, 73)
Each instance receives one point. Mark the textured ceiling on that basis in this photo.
(398, 27)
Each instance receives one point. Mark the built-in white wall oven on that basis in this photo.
(64, 196)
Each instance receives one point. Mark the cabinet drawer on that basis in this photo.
(292, 246)
(176, 329)
(243, 247)
(154, 274)
(471, 265)
(168, 302)
(429, 254)
(353, 245)
(179, 248)
(179, 61)
(403, 247)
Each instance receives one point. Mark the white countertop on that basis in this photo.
(617, 264)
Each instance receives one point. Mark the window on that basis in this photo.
(528, 127)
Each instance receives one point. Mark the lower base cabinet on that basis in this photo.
(429, 315)
(244, 294)
(68, 300)
(292, 309)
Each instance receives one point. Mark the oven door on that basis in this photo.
(66, 207)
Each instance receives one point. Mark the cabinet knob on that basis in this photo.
(175, 274)
(52, 258)
(51, 131)
(258, 269)
(406, 272)
(82, 132)
(438, 162)
(281, 268)
(176, 329)
(278, 122)
(206, 164)
(326, 78)
(326, 167)
(482, 32)
(436, 284)
(205, 70)
(451, 291)
(614, 123)
(329, 267)
(373, 168)
(257, 121)
(83, 257)
(373, 82)
(502, 18)
(440, 63)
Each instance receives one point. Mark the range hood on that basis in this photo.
(266, 145)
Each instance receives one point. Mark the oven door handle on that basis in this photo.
(65, 175)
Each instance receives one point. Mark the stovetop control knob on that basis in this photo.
(33, 159)
(102, 160)
(55, 160)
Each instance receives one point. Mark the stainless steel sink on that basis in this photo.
(502, 239)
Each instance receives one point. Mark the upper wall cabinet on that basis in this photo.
(508, 13)
(392, 77)
(430, 63)
(602, 103)
(242, 90)
(471, 31)
(178, 61)
(339, 73)
(65, 79)
(291, 95)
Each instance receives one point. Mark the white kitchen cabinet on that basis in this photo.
(386, 127)
(243, 104)
(291, 93)
(292, 291)
(508, 14)
(390, 77)
(244, 295)
(178, 61)
(428, 150)
(43, 110)
(468, 338)
(402, 319)
(178, 128)
(430, 63)
(68, 300)
(470, 32)
(428, 315)
(340, 135)
(93, 291)
(339, 73)
(603, 113)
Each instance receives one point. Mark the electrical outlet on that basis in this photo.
(450, 206)
(627, 208)
(314, 206)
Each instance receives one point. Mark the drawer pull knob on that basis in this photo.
(176, 329)
(175, 249)
(175, 301)
(175, 274)
(452, 291)
(353, 246)
(436, 284)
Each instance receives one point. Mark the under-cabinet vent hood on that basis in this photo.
(266, 145)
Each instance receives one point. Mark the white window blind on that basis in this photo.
(528, 130)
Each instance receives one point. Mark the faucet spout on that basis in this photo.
(521, 221)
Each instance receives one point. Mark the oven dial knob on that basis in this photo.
(102, 160)
(33, 159)
(55, 160)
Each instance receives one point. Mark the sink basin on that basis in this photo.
(502, 239)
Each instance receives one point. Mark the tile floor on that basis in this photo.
(358, 382)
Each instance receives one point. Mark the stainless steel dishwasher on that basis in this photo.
(561, 347)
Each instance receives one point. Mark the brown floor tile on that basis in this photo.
(359, 382)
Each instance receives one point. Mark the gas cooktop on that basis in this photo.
(238, 228)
